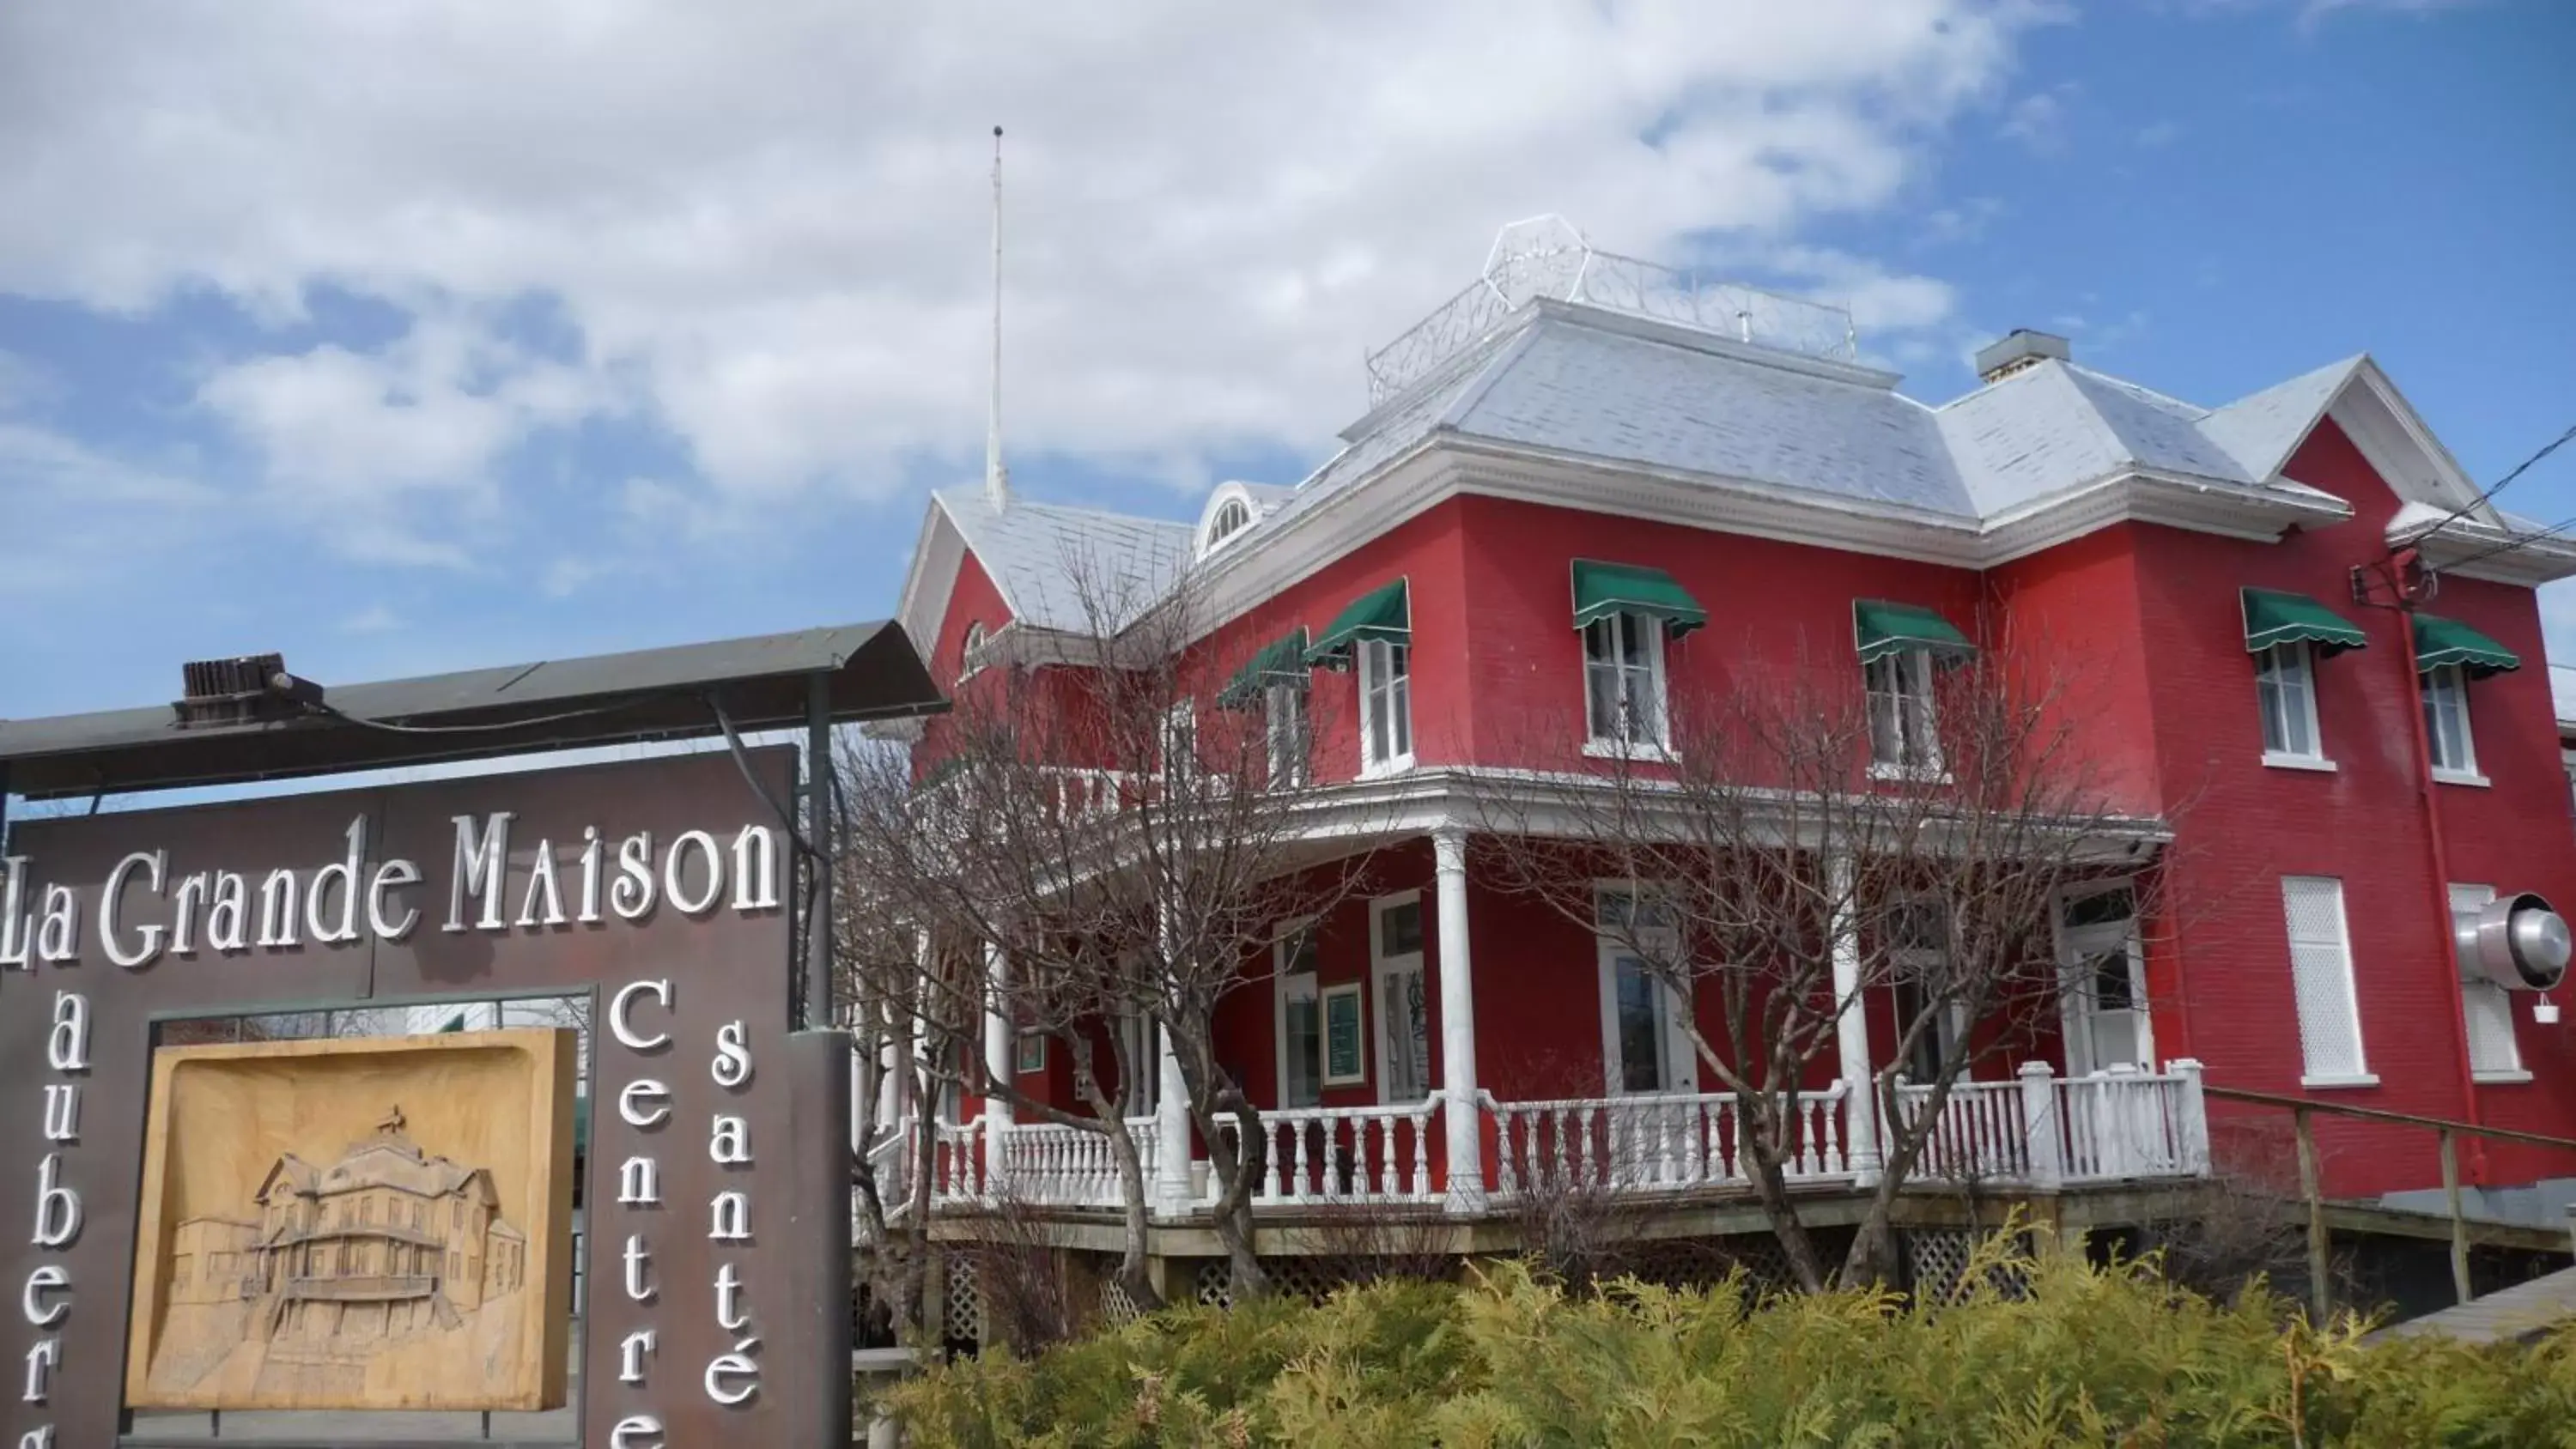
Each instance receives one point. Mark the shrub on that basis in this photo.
(2077, 1354)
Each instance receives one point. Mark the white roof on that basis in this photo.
(1065, 568)
(1579, 382)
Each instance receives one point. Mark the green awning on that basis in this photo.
(1603, 589)
(2440, 641)
(1882, 628)
(1281, 661)
(2273, 617)
(1382, 613)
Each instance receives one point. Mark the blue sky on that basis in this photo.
(406, 338)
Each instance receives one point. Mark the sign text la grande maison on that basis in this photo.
(148, 907)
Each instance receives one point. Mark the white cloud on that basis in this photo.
(766, 224)
(2158, 134)
(2039, 120)
(80, 519)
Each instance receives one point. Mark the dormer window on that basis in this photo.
(1233, 516)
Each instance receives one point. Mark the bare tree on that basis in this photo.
(1095, 813)
(1808, 840)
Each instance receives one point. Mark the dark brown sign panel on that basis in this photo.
(661, 890)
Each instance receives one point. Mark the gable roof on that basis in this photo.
(1055, 566)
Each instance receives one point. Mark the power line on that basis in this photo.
(2501, 484)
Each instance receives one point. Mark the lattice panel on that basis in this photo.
(965, 1307)
(1215, 1286)
(1936, 1258)
(1115, 1305)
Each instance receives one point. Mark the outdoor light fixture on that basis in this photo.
(252, 689)
(2517, 942)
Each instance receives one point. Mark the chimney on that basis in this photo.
(2020, 349)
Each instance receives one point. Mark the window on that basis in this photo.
(2486, 1007)
(1029, 1055)
(2286, 684)
(1345, 1059)
(1645, 1035)
(1232, 517)
(1623, 683)
(1403, 1012)
(2446, 722)
(967, 665)
(1386, 706)
(1902, 739)
(1144, 1039)
(2104, 971)
(1301, 1025)
(1284, 729)
(1917, 945)
(1181, 740)
(2321, 976)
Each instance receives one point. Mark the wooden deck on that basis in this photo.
(2508, 1316)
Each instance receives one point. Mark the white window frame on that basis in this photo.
(1292, 985)
(1950, 1031)
(1907, 679)
(2478, 995)
(1604, 739)
(2362, 1076)
(1145, 1049)
(2278, 670)
(2448, 685)
(1232, 516)
(1180, 740)
(1384, 686)
(1287, 735)
(1382, 966)
(2073, 943)
(1022, 1063)
(970, 646)
(1680, 1064)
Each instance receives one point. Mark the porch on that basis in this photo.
(2038, 1133)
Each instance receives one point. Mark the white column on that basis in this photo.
(1851, 1027)
(1460, 1110)
(998, 1062)
(2191, 1110)
(2039, 1115)
(1171, 1126)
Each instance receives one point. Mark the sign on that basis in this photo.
(656, 891)
(306, 1242)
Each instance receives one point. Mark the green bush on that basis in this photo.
(2077, 1355)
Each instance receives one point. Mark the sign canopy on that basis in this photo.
(870, 670)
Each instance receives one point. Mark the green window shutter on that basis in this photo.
(1604, 589)
(2440, 641)
(1383, 613)
(1880, 627)
(2274, 617)
(1281, 661)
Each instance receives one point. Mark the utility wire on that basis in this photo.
(2510, 544)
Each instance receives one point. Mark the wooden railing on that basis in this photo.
(2447, 1133)
(1348, 1154)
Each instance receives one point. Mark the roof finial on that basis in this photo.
(997, 474)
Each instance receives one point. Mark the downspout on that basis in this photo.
(2449, 953)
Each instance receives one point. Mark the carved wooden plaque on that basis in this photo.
(377, 1223)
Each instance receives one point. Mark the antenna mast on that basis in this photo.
(997, 475)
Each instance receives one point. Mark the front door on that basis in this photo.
(2105, 983)
(1403, 1011)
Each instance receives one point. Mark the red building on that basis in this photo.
(2336, 772)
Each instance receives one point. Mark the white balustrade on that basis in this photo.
(1659, 1142)
(2037, 1130)
(1347, 1154)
